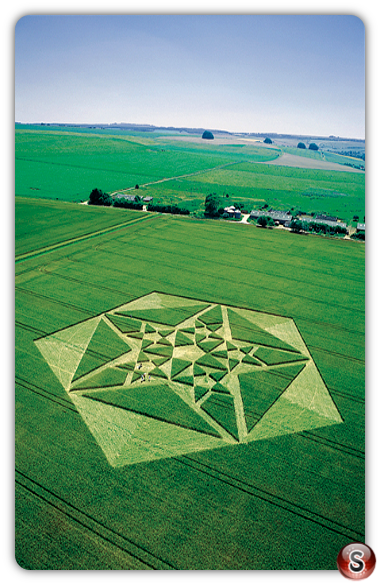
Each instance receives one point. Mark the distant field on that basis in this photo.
(293, 496)
(282, 187)
(321, 161)
(68, 163)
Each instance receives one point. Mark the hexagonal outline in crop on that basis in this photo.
(122, 398)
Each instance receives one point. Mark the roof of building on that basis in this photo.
(324, 217)
(276, 215)
(361, 227)
(279, 215)
(124, 196)
(329, 222)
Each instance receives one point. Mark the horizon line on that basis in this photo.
(193, 128)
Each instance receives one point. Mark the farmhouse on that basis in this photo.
(148, 199)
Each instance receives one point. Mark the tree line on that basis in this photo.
(98, 197)
(296, 225)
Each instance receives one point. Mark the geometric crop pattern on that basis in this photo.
(163, 375)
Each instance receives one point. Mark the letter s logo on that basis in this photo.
(356, 565)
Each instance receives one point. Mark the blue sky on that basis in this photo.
(243, 73)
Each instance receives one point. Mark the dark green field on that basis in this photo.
(290, 501)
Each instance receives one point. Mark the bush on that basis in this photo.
(358, 236)
(173, 209)
(268, 141)
(313, 146)
(301, 145)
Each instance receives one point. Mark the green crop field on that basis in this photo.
(67, 163)
(189, 393)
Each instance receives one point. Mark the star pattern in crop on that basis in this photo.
(195, 375)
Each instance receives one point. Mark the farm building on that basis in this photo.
(148, 199)
(126, 197)
(330, 222)
(255, 213)
(360, 227)
(281, 217)
(325, 218)
(233, 212)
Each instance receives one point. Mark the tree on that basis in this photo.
(262, 220)
(268, 141)
(213, 204)
(208, 135)
(265, 221)
(98, 197)
(296, 225)
(358, 236)
(313, 146)
(301, 145)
